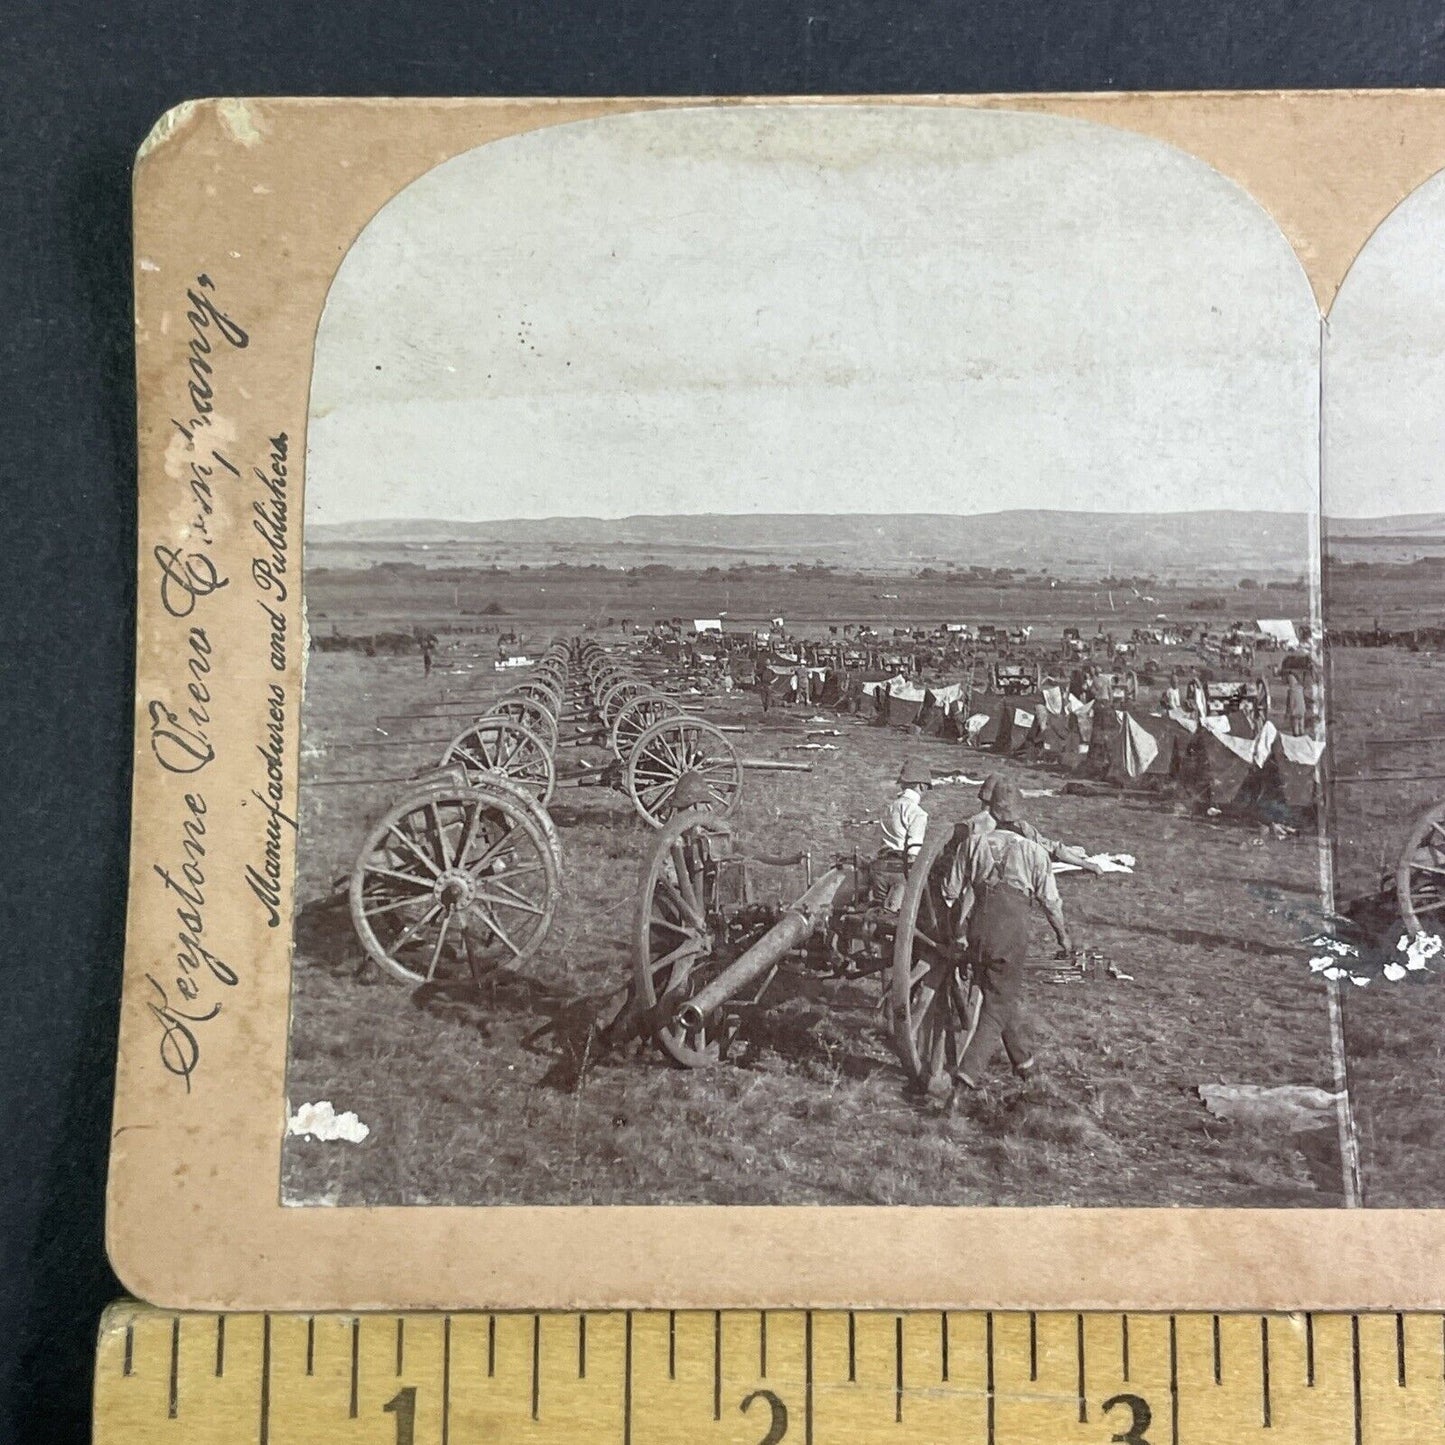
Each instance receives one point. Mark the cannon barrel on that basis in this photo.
(798, 923)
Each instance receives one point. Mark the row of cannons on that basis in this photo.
(461, 878)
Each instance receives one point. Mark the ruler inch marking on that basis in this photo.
(447, 1378)
(1124, 1345)
(491, 1346)
(1218, 1358)
(220, 1346)
(898, 1370)
(400, 1343)
(582, 1345)
(1309, 1349)
(1355, 1373)
(1264, 1401)
(536, 1365)
(672, 1344)
(717, 1364)
(992, 1404)
(852, 1349)
(127, 1363)
(1081, 1379)
(762, 1344)
(943, 1344)
(808, 1377)
(627, 1379)
(354, 1400)
(1173, 1382)
(173, 1384)
(263, 1427)
(1033, 1345)
(1400, 1349)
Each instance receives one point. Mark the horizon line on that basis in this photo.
(997, 512)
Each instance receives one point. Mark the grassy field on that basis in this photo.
(1395, 1032)
(539, 601)
(491, 1100)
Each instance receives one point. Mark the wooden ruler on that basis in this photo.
(755, 1378)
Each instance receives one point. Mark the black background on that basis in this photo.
(80, 85)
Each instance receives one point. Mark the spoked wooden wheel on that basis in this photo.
(671, 747)
(454, 882)
(1420, 875)
(502, 745)
(531, 712)
(672, 935)
(542, 688)
(635, 716)
(929, 996)
(613, 694)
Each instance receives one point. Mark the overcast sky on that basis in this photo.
(873, 309)
(1384, 425)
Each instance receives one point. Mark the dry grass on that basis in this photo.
(498, 1099)
(1395, 1033)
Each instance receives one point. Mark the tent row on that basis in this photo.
(1228, 760)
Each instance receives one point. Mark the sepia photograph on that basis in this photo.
(1384, 604)
(816, 684)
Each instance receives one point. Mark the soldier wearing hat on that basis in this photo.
(903, 824)
(1001, 800)
(1006, 872)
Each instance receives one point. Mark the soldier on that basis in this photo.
(1002, 803)
(1173, 700)
(1294, 706)
(903, 825)
(1006, 872)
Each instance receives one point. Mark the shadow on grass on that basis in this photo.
(611, 810)
(1198, 937)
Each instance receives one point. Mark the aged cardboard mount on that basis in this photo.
(245, 210)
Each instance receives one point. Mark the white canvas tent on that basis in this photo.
(1279, 628)
(707, 624)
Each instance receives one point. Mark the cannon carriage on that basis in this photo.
(462, 873)
(707, 945)
(651, 738)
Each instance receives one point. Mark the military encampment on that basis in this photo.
(681, 910)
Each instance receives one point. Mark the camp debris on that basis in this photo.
(1295, 1107)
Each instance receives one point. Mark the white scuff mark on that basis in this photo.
(146, 264)
(1419, 949)
(321, 1121)
(238, 120)
(260, 190)
(172, 121)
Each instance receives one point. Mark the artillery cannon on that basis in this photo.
(464, 870)
(706, 947)
(651, 738)
(462, 874)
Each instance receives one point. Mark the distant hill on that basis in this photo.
(1126, 543)
(1425, 525)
